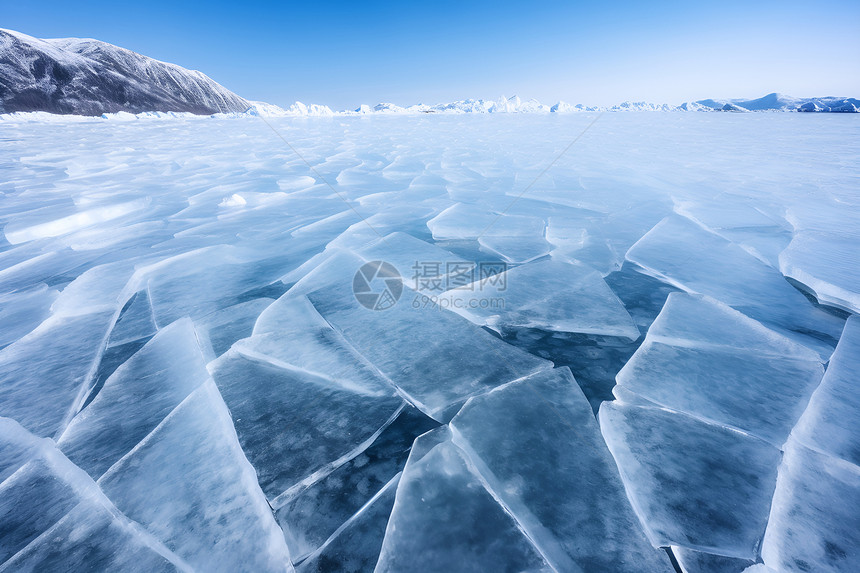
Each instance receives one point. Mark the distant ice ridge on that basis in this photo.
(770, 102)
(263, 109)
(503, 105)
(515, 104)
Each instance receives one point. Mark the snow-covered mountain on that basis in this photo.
(771, 102)
(89, 77)
(780, 102)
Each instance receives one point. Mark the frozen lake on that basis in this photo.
(501, 342)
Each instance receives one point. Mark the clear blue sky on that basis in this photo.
(347, 53)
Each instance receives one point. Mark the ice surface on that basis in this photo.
(218, 331)
(464, 221)
(200, 282)
(708, 360)
(643, 296)
(291, 334)
(436, 358)
(693, 484)
(91, 537)
(18, 446)
(515, 249)
(293, 423)
(100, 288)
(727, 272)
(147, 221)
(355, 546)
(734, 217)
(23, 517)
(135, 399)
(312, 515)
(421, 265)
(411, 256)
(42, 375)
(569, 500)
(30, 264)
(22, 231)
(189, 483)
(21, 312)
(445, 520)
(54, 517)
(135, 322)
(822, 254)
(32, 477)
(516, 238)
(698, 562)
(831, 422)
(598, 235)
(566, 297)
(827, 263)
(814, 523)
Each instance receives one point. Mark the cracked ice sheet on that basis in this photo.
(355, 547)
(135, 321)
(693, 484)
(550, 295)
(415, 260)
(135, 399)
(823, 255)
(422, 265)
(218, 331)
(424, 533)
(569, 500)
(58, 359)
(32, 263)
(708, 360)
(313, 517)
(814, 524)
(828, 264)
(316, 404)
(92, 537)
(21, 312)
(516, 238)
(54, 517)
(600, 240)
(831, 422)
(189, 483)
(726, 272)
(770, 159)
(738, 219)
(436, 358)
(100, 288)
(698, 562)
(43, 374)
(326, 434)
(208, 279)
(296, 426)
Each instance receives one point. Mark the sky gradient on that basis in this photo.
(343, 54)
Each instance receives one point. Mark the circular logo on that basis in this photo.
(377, 285)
